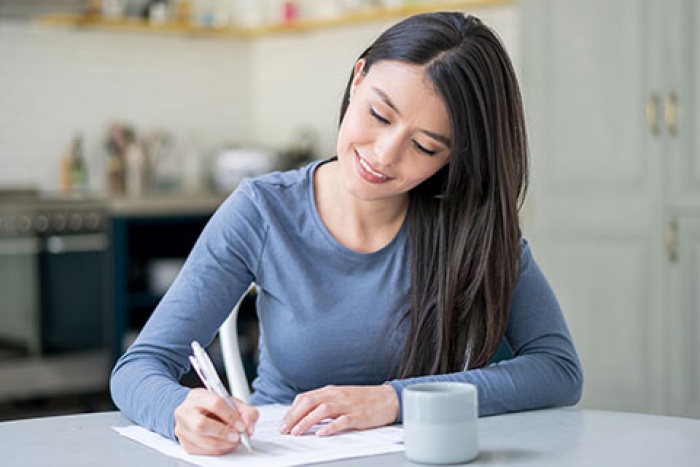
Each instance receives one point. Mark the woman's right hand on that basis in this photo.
(206, 424)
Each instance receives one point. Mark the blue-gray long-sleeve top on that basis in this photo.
(327, 313)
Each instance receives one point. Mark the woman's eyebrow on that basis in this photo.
(436, 136)
(384, 97)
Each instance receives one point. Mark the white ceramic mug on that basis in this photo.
(440, 422)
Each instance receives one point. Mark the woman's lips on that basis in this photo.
(368, 173)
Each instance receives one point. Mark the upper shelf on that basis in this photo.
(94, 21)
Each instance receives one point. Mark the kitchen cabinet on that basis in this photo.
(150, 238)
(684, 323)
(146, 236)
(611, 92)
(93, 20)
(677, 87)
(676, 93)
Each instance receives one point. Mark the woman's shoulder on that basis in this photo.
(288, 183)
(275, 195)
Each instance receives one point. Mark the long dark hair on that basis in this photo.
(462, 222)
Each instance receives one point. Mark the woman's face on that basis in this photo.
(395, 133)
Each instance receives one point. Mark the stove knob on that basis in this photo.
(24, 223)
(58, 222)
(92, 221)
(41, 223)
(75, 222)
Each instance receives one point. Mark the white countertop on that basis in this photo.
(552, 437)
(164, 205)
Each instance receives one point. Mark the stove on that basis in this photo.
(53, 271)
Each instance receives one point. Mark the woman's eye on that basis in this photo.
(378, 117)
(423, 149)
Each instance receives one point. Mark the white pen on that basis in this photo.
(207, 373)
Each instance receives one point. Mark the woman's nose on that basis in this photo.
(387, 148)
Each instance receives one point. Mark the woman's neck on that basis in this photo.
(360, 225)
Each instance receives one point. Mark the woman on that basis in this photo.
(398, 261)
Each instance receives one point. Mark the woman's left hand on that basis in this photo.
(349, 407)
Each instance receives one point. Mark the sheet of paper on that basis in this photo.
(271, 449)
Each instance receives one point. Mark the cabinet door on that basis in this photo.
(596, 188)
(683, 323)
(681, 99)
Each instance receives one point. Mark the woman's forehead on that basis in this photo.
(408, 89)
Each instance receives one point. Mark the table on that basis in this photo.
(556, 437)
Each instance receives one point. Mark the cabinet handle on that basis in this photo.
(670, 114)
(671, 240)
(651, 112)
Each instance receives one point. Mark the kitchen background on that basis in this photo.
(204, 111)
(208, 109)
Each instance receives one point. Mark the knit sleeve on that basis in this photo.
(145, 380)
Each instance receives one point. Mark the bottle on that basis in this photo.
(136, 170)
(78, 169)
(290, 12)
(66, 162)
(115, 175)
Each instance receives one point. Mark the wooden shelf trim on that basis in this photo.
(185, 29)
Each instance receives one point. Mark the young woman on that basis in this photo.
(399, 260)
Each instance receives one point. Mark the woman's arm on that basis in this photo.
(145, 380)
(545, 370)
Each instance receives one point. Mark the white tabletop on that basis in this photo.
(570, 437)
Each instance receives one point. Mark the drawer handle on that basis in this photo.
(651, 112)
(76, 243)
(671, 114)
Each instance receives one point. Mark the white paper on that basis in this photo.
(272, 449)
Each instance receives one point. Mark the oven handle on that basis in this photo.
(56, 244)
(19, 246)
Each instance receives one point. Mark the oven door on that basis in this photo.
(74, 303)
(19, 295)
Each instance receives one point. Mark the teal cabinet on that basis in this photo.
(141, 246)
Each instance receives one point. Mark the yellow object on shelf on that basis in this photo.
(181, 27)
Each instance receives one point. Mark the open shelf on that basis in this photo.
(134, 25)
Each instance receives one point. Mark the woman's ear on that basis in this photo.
(358, 74)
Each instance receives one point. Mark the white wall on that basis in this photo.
(54, 82)
(299, 82)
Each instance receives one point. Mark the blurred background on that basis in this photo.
(124, 123)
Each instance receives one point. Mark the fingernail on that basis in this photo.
(233, 436)
(296, 430)
(283, 427)
(239, 426)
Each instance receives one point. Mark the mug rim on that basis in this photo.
(435, 388)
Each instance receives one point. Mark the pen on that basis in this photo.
(207, 373)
